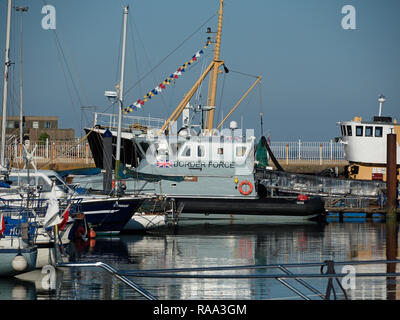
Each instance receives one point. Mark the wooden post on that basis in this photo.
(54, 153)
(287, 153)
(320, 154)
(87, 152)
(391, 175)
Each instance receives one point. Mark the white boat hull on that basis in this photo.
(142, 222)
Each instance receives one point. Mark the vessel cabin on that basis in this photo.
(198, 166)
(365, 141)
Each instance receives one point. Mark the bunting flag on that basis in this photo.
(162, 86)
(65, 217)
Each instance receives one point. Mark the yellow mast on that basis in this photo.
(214, 66)
(214, 75)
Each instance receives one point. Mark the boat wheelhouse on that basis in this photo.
(365, 145)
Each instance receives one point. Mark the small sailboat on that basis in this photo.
(18, 253)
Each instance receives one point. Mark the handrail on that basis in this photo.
(172, 273)
(115, 273)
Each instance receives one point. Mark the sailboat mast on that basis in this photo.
(5, 89)
(120, 97)
(21, 129)
(214, 74)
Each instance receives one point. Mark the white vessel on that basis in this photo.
(365, 145)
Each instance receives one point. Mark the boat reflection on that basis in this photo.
(209, 244)
(16, 289)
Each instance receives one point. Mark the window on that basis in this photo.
(378, 132)
(186, 152)
(220, 150)
(343, 130)
(10, 124)
(174, 148)
(201, 151)
(359, 131)
(368, 131)
(349, 133)
(240, 151)
(47, 125)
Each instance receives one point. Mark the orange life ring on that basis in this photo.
(248, 191)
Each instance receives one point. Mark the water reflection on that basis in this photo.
(206, 244)
(16, 289)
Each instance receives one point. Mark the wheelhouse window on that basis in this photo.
(201, 152)
(240, 151)
(359, 131)
(349, 133)
(368, 131)
(186, 152)
(378, 132)
(343, 128)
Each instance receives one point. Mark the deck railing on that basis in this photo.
(308, 151)
(51, 152)
(286, 152)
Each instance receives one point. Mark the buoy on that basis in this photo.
(92, 234)
(19, 293)
(19, 263)
(92, 243)
(302, 197)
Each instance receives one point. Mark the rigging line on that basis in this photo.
(119, 52)
(261, 110)
(244, 74)
(220, 99)
(65, 61)
(198, 93)
(135, 54)
(83, 91)
(65, 77)
(148, 61)
(67, 67)
(173, 51)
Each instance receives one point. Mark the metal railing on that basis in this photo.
(51, 152)
(286, 152)
(308, 151)
(110, 120)
(330, 275)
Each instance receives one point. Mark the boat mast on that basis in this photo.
(120, 98)
(214, 75)
(5, 89)
(214, 66)
(21, 130)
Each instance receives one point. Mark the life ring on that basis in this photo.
(248, 191)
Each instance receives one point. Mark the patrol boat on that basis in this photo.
(365, 145)
(213, 175)
(198, 168)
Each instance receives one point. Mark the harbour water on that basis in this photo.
(203, 243)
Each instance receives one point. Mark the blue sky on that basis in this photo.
(314, 72)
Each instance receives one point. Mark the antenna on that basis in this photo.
(381, 101)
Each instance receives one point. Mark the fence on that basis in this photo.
(52, 152)
(308, 151)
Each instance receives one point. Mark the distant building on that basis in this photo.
(35, 126)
